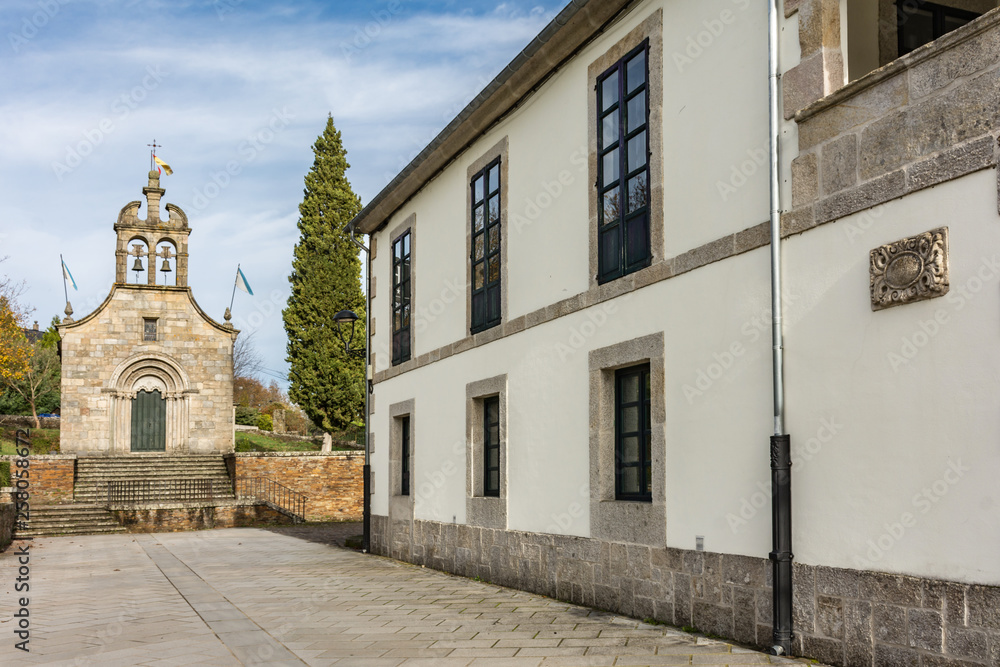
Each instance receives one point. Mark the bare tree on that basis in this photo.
(247, 361)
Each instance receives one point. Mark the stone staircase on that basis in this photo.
(69, 519)
(93, 473)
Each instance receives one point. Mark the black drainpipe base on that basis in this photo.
(781, 532)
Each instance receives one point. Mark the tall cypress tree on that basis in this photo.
(326, 277)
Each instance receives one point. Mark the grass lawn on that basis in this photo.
(259, 442)
(43, 440)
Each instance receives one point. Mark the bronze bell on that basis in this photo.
(166, 266)
(138, 265)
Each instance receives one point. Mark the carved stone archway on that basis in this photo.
(148, 372)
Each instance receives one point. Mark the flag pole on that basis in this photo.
(233, 298)
(62, 270)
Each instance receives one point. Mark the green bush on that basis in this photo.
(264, 423)
(246, 416)
(245, 444)
(4, 473)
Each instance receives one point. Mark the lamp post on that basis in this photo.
(342, 319)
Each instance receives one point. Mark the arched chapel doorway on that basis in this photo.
(149, 421)
(150, 409)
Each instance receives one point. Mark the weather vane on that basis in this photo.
(152, 154)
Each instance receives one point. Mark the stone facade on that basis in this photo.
(52, 477)
(926, 118)
(147, 337)
(197, 517)
(841, 617)
(332, 482)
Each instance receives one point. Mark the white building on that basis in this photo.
(573, 386)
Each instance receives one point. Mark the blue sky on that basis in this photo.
(89, 83)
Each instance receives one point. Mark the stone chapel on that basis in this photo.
(149, 370)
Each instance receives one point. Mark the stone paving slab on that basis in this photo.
(264, 597)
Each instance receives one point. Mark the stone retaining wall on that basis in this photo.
(7, 518)
(22, 421)
(51, 476)
(165, 518)
(332, 481)
(841, 617)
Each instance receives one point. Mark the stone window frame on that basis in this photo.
(636, 522)
(481, 510)
(155, 319)
(650, 29)
(398, 502)
(409, 224)
(498, 150)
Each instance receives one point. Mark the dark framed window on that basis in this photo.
(623, 166)
(486, 247)
(919, 23)
(633, 464)
(491, 446)
(404, 453)
(401, 298)
(149, 329)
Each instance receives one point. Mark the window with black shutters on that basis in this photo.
(404, 482)
(633, 465)
(623, 233)
(485, 256)
(401, 299)
(491, 446)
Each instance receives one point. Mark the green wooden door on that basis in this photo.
(149, 419)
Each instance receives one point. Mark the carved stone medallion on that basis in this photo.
(911, 269)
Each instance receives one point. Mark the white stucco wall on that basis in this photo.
(912, 389)
(866, 437)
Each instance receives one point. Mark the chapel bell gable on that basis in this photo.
(151, 246)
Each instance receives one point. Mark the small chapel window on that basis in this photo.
(149, 329)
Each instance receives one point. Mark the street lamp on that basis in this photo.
(342, 319)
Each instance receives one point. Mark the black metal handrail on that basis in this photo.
(272, 493)
(147, 491)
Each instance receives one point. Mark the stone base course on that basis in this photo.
(196, 517)
(841, 617)
(332, 480)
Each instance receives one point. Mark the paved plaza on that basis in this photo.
(293, 597)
